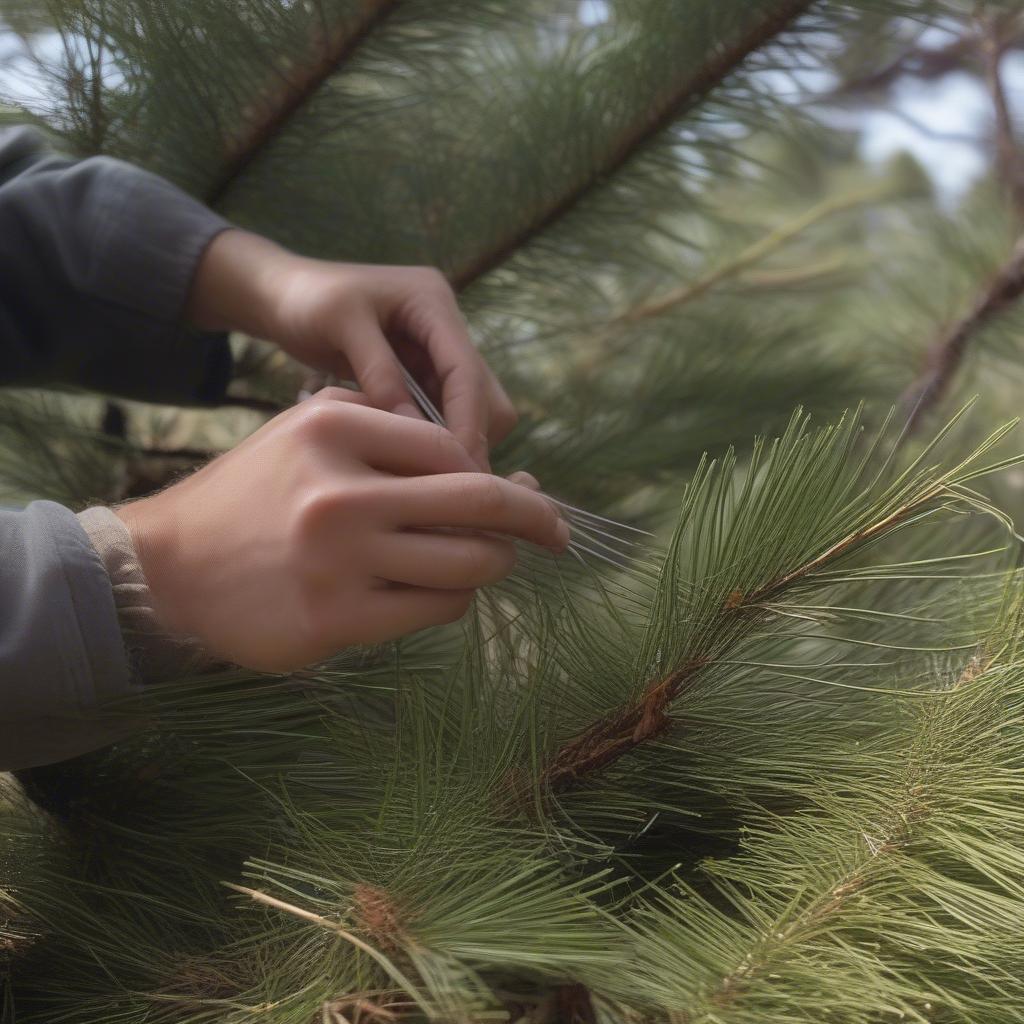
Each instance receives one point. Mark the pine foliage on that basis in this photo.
(764, 769)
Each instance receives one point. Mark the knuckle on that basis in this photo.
(320, 511)
(333, 393)
(472, 561)
(319, 419)
(448, 447)
(383, 382)
(486, 496)
(503, 559)
(312, 510)
(433, 278)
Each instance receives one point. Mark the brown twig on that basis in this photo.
(922, 62)
(619, 733)
(333, 47)
(947, 353)
(662, 112)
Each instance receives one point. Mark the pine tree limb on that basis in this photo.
(947, 352)
(664, 109)
(629, 728)
(332, 49)
(753, 254)
(894, 834)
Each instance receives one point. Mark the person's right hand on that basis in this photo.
(334, 524)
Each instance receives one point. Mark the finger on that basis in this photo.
(478, 501)
(444, 561)
(462, 374)
(377, 368)
(464, 402)
(346, 395)
(524, 479)
(390, 443)
(502, 415)
(397, 611)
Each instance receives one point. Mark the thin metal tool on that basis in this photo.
(598, 536)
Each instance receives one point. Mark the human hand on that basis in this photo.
(334, 524)
(358, 322)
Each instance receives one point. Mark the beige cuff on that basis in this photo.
(153, 654)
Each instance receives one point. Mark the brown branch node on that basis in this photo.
(619, 733)
(377, 914)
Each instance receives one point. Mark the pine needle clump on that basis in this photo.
(751, 753)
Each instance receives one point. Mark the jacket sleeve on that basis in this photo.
(61, 648)
(96, 260)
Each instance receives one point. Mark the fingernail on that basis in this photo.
(563, 535)
(407, 409)
(525, 479)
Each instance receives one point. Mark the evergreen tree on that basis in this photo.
(754, 754)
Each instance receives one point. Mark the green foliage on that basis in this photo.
(765, 769)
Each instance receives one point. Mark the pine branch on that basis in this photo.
(664, 109)
(753, 254)
(332, 48)
(947, 352)
(894, 834)
(922, 62)
(719, 628)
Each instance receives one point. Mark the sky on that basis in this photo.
(940, 123)
(945, 124)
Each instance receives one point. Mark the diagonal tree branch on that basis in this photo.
(947, 353)
(691, 85)
(1007, 286)
(332, 48)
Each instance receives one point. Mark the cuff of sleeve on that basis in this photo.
(152, 237)
(153, 654)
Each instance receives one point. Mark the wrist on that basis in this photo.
(155, 653)
(238, 283)
(153, 536)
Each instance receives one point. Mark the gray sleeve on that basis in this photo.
(96, 261)
(61, 650)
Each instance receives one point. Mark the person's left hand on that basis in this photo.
(359, 322)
